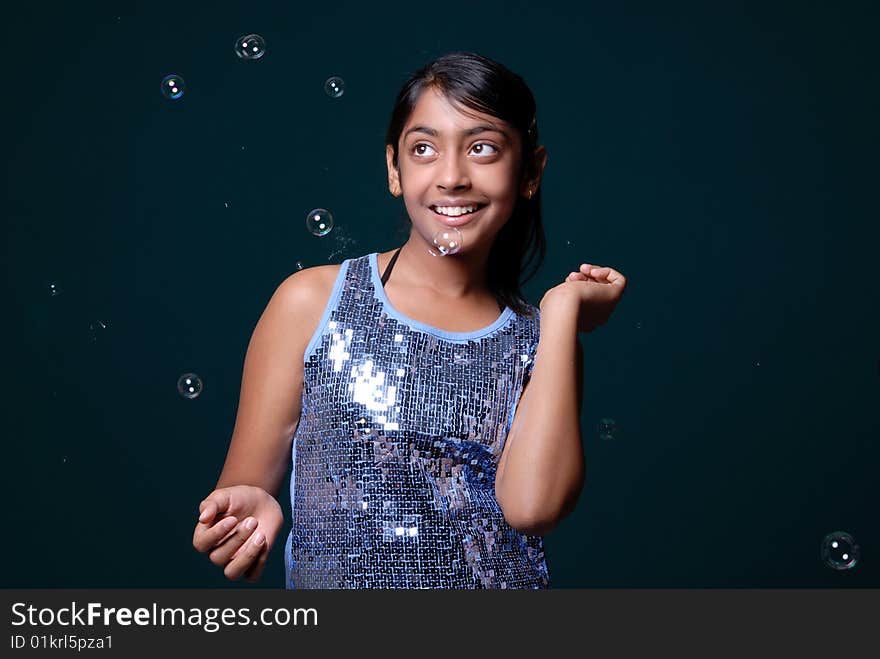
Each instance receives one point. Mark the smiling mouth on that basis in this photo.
(456, 217)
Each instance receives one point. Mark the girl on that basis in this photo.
(421, 458)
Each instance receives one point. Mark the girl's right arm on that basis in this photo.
(271, 387)
(241, 518)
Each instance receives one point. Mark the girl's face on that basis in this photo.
(447, 157)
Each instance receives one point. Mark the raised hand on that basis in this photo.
(237, 527)
(595, 290)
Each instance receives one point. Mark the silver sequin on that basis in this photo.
(395, 455)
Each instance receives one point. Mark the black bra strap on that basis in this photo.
(390, 265)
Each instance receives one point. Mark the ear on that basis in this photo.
(540, 162)
(393, 173)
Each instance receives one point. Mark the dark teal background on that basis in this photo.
(723, 156)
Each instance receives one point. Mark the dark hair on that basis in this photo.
(484, 85)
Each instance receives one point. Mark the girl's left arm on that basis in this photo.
(540, 473)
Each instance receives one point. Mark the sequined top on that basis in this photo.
(395, 455)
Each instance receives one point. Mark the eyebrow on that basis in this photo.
(482, 128)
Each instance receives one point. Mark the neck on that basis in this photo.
(452, 276)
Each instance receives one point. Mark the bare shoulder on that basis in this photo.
(306, 292)
(310, 282)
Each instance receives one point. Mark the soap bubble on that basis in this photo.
(334, 86)
(608, 429)
(250, 47)
(173, 87)
(319, 221)
(840, 551)
(446, 241)
(189, 385)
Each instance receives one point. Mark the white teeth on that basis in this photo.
(454, 211)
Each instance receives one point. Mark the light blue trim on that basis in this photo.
(293, 472)
(288, 545)
(288, 562)
(512, 413)
(325, 317)
(379, 293)
(527, 372)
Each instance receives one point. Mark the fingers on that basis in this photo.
(207, 536)
(247, 555)
(593, 271)
(216, 502)
(609, 275)
(254, 572)
(225, 551)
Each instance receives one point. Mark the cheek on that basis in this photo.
(503, 209)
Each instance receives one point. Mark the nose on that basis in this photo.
(453, 175)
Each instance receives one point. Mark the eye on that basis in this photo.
(485, 144)
(415, 148)
(480, 144)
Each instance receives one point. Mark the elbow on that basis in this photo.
(531, 518)
(532, 525)
(529, 522)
